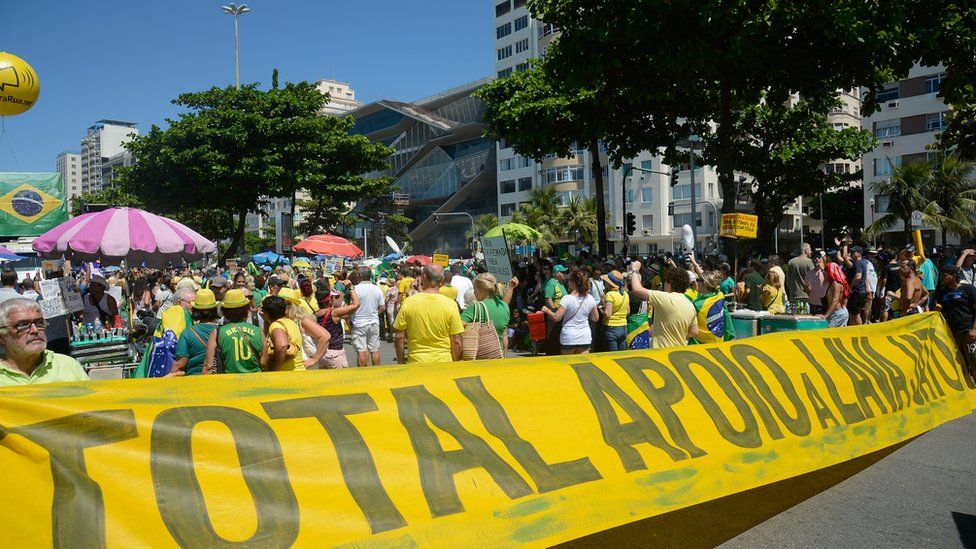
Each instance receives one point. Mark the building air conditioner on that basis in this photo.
(887, 143)
(646, 232)
(894, 104)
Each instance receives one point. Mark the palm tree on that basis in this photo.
(904, 191)
(578, 220)
(541, 213)
(952, 196)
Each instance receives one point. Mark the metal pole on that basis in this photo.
(694, 220)
(365, 241)
(237, 68)
(801, 220)
(823, 225)
(625, 241)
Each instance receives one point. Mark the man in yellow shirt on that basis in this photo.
(430, 323)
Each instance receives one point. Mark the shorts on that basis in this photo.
(366, 339)
(855, 302)
(838, 319)
(335, 359)
(575, 347)
(887, 304)
(868, 300)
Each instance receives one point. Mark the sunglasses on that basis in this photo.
(24, 326)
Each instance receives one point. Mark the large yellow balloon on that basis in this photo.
(19, 86)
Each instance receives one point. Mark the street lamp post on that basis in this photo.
(236, 11)
(469, 216)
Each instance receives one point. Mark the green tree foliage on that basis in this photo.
(577, 222)
(540, 114)
(482, 224)
(783, 144)
(951, 193)
(114, 196)
(842, 213)
(905, 191)
(234, 148)
(540, 213)
(673, 68)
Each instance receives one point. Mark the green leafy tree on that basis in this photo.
(783, 144)
(952, 196)
(674, 68)
(114, 196)
(482, 224)
(905, 193)
(234, 148)
(516, 106)
(842, 213)
(540, 213)
(578, 221)
(953, 42)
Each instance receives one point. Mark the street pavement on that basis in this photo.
(388, 353)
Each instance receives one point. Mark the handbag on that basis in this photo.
(480, 339)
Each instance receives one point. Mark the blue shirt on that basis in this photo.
(928, 274)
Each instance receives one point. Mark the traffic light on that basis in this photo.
(670, 208)
(631, 223)
(674, 176)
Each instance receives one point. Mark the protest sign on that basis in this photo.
(441, 259)
(497, 257)
(71, 295)
(510, 452)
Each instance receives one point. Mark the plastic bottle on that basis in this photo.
(99, 329)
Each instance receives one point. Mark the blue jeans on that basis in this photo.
(616, 337)
(838, 319)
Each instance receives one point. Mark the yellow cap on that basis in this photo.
(234, 298)
(289, 295)
(205, 300)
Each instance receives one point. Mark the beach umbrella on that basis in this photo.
(268, 258)
(329, 244)
(129, 234)
(392, 257)
(6, 254)
(302, 263)
(515, 232)
(422, 259)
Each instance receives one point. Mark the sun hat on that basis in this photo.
(99, 279)
(613, 278)
(234, 299)
(205, 300)
(289, 295)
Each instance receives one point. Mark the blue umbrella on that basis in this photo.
(268, 257)
(392, 257)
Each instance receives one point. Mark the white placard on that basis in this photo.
(497, 260)
(51, 308)
(71, 295)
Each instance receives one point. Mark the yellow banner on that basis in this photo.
(441, 259)
(525, 451)
(739, 225)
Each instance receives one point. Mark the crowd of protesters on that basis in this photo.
(285, 319)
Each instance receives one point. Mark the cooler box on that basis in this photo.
(790, 323)
(537, 326)
(745, 327)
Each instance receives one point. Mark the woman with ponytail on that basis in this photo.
(491, 298)
(576, 310)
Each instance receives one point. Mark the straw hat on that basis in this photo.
(205, 300)
(613, 279)
(234, 298)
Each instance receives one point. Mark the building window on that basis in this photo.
(888, 93)
(627, 169)
(503, 31)
(525, 184)
(685, 219)
(522, 67)
(711, 219)
(646, 195)
(507, 209)
(652, 248)
(524, 161)
(505, 53)
(560, 175)
(521, 45)
(647, 222)
(935, 121)
(503, 8)
(505, 73)
(711, 189)
(883, 166)
(506, 187)
(634, 250)
(647, 164)
(934, 83)
(682, 192)
(521, 22)
(519, 4)
(887, 128)
(506, 164)
(630, 196)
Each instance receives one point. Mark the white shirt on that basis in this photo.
(370, 301)
(8, 293)
(463, 284)
(576, 319)
(871, 278)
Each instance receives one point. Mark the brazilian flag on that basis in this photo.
(31, 203)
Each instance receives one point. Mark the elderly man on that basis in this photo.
(430, 322)
(26, 360)
(366, 320)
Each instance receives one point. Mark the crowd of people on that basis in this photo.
(285, 319)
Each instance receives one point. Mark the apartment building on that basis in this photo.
(69, 166)
(910, 117)
(105, 139)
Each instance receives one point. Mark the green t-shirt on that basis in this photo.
(554, 290)
(754, 283)
(259, 296)
(727, 286)
(240, 347)
(194, 348)
(498, 312)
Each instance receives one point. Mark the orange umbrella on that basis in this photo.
(328, 244)
(422, 259)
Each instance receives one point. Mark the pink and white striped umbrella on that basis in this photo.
(115, 234)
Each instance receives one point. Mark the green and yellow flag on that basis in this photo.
(31, 203)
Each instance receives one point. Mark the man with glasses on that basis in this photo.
(26, 359)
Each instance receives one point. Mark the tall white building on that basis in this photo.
(342, 97)
(69, 166)
(103, 141)
(910, 117)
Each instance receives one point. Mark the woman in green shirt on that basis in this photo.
(191, 349)
(490, 297)
(238, 341)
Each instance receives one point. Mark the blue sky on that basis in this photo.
(127, 59)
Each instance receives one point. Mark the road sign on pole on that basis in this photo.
(916, 218)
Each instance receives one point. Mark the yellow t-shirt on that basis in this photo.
(308, 304)
(776, 302)
(296, 361)
(431, 320)
(673, 316)
(620, 308)
(404, 285)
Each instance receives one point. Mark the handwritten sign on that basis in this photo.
(739, 225)
(497, 258)
(71, 295)
(441, 259)
(52, 307)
